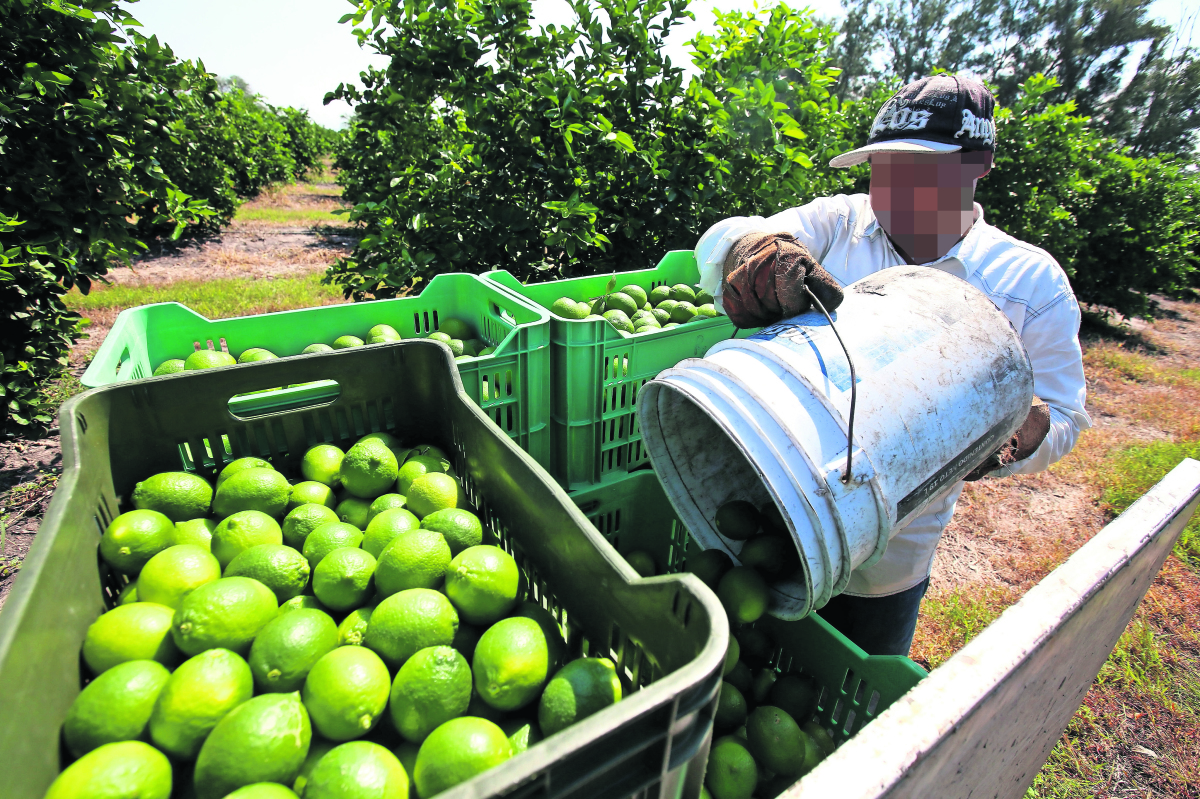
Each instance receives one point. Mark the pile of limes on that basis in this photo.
(348, 635)
(631, 309)
(455, 333)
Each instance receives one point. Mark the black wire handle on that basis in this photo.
(853, 384)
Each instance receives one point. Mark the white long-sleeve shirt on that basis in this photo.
(1024, 282)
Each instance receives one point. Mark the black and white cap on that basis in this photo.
(941, 114)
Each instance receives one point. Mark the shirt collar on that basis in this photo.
(963, 250)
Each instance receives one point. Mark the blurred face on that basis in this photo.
(924, 201)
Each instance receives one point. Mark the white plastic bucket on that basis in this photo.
(942, 381)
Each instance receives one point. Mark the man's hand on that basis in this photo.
(1024, 442)
(765, 275)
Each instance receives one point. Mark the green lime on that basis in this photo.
(302, 602)
(579, 689)
(241, 531)
(658, 294)
(263, 790)
(407, 622)
(180, 496)
(706, 311)
(346, 692)
(741, 677)
(483, 353)
(819, 736)
(353, 628)
(280, 568)
(358, 770)
(669, 325)
(194, 531)
(115, 706)
(731, 708)
(227, 613)
(775, 740)
(709, 565)
(128, 594)
(738, 520)
(667, 305)
(133, 538)
(262, 740)
(635, 293)
(642, 562)
(681, 292)
(241, 464)
(511, 664)
(732, 772)
(316, 750)
(619, 320)
(384, 528)
(795, 695)
(482, 583)
(208, 359)
(568, 308)
(438, 335)
(256, 354)
(286, 649)
(384, 502)
(454, 328)
(415, 466)
(355, 511)
(115, 771)
(137, 631)
(459, 527)
(303, 520)
(619, 301)
(312, 348)
(344, 578)
(522, 734)
(732, 655)
(383, 330)
(683, 313)
(369, 469)
(457, 751)
(389, 441)
(170, 367)
(432, 492)
(764, 680)
(597, 308)
(432, 687)
(263, 490)
(744, 594)
(175, 572)
(328, 537)
(197, 695)
(770, 555)
(310, 492)
(416, 559)
(323, 463)
(704, 297)
(346, 342)
(456, 347)
(661, 316)
(555, 643)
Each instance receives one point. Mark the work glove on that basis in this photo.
(1025, 441)
(765, 276)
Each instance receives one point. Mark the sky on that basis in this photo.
(294, 51)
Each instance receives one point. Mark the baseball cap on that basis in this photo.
(939, 114)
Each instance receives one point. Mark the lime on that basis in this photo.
(482, 584)
(208, 359)
(459, 527)
(128, 594)
(241, 464)
(311, 348)
(286, 649)
(390, 441)
(115, 771)
(744, 594)
(619, 320)
(757, 647)
(456, 347)
(310, 492)
(137, 631)
(280, 568)
(619, 301)
(669, 325)
(263, 490)
(358, 770)
(344, 578)
(521, 733)
(196, 696)
(764, 681)
(418, 465)
(741, 677)
(667, 305)
(316, 750)
(709, 565)
(328, 537)
(598, 307)
(661, 316)
(133, 538)
(438, 335)
(642, 562)
(568, 308)
(302, 602)
(384, 502)
(323, 463)
(707, 311)
(770, 555)
(457, 751)
(353, 628)
(581, 688)
(738, 520)
(732, 654)
(432, 492)
(384, 528)
(175, 572)
(775, 740)
(345, 342)
(732, 772)
(407, 622)
(681, 292)
(241, 531)
(383, 330)
(731, 708)
(555, 643)
(263, 790)
(486, 351)
(227, 613)
(454, 328)
(170, 367)
(703, 297)
(178, 495)
(194, 531)
(369, 469)
(511, 664)
(256, 354)
(262, 740)
(416, 559)
(303, 520)
(635, 293)
(658, 294)
(116, 706)
(355, 511)
(432, 687)
(346, 692)
(819, 736)
(795, 695)
(683, 313)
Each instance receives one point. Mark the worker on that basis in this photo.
(930, 144)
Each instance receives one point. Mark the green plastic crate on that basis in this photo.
(597, 370)
(512, 384)
(668, 635)
(633, 512)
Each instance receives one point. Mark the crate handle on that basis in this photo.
(286, 398)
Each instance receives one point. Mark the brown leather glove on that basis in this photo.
(765, 275)
(1025, 441)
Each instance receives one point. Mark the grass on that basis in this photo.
(215, 299)
(1133, 470)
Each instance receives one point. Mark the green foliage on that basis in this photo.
(567, 151)
(1136, 469)
(215, 299)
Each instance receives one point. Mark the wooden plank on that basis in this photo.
(984, 723)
